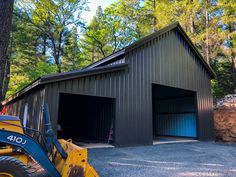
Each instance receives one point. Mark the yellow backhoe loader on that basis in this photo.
(57, 158)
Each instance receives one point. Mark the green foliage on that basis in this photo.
(24, 55)
(41, 69)
(119, 25)
(20, 80)
(17, 82)
(211, 26)
(53, 19)
(72, 56)
(45, 35)
(42, 41)
(96, 38)
(104, 35)
(136, 16)
(228, 25)
(223, 84)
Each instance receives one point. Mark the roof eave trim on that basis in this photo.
(185, 36)
(108, 58)
(88, 72)
(54, 78)
(151, 36)
(29, 87)
(212, 73)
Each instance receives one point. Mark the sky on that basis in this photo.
(93, 4)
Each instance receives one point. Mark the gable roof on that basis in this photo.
(170, 27)
(116, 55)
(99, 68)
(40, 82)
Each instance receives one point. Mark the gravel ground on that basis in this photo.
(183, 159)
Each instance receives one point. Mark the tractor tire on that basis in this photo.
(12, 167)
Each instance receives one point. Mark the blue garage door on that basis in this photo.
(177, 125)
(175, 117)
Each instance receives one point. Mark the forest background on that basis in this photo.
(49, 36)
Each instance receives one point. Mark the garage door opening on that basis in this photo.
(86, 119)
(174, 113)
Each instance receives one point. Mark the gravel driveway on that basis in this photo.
(182, 159)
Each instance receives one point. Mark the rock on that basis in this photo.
(231, 98)
(225, 120)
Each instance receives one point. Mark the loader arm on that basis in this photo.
(31, 147)
(50, 137)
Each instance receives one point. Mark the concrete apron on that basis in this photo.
(94, 145)
(170, 140)
(160, 140)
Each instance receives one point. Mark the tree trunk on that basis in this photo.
(192, 29)
(56, 55)
(6, 10)
(233, 59)
(93, 57)
(44, 45)
(191, 22)
(7, 79)
(57, 61)
(233, 56)
(101, 49)
(154, 17)
(207, 34)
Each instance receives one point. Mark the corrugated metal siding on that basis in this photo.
(176, 125)
(106, 85)
(120, 61)
(34, 101)
(166, 60)
(175, 117)
(172, 105)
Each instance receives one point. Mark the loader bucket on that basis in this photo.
(76, 163)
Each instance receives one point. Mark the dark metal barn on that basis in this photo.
(158, 86)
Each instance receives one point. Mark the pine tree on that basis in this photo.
(72, 59)
(27, 58)
(53, 19)
(228, 26)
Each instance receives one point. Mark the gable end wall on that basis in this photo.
(166, 60)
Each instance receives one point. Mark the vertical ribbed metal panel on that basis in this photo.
(110, 85)
(175, 116)
(176, 125)
(165, 60)
(120, 61)
(34, 100)
(168, 60)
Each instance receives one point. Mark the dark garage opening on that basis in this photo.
(174, 112)
(88, 119)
